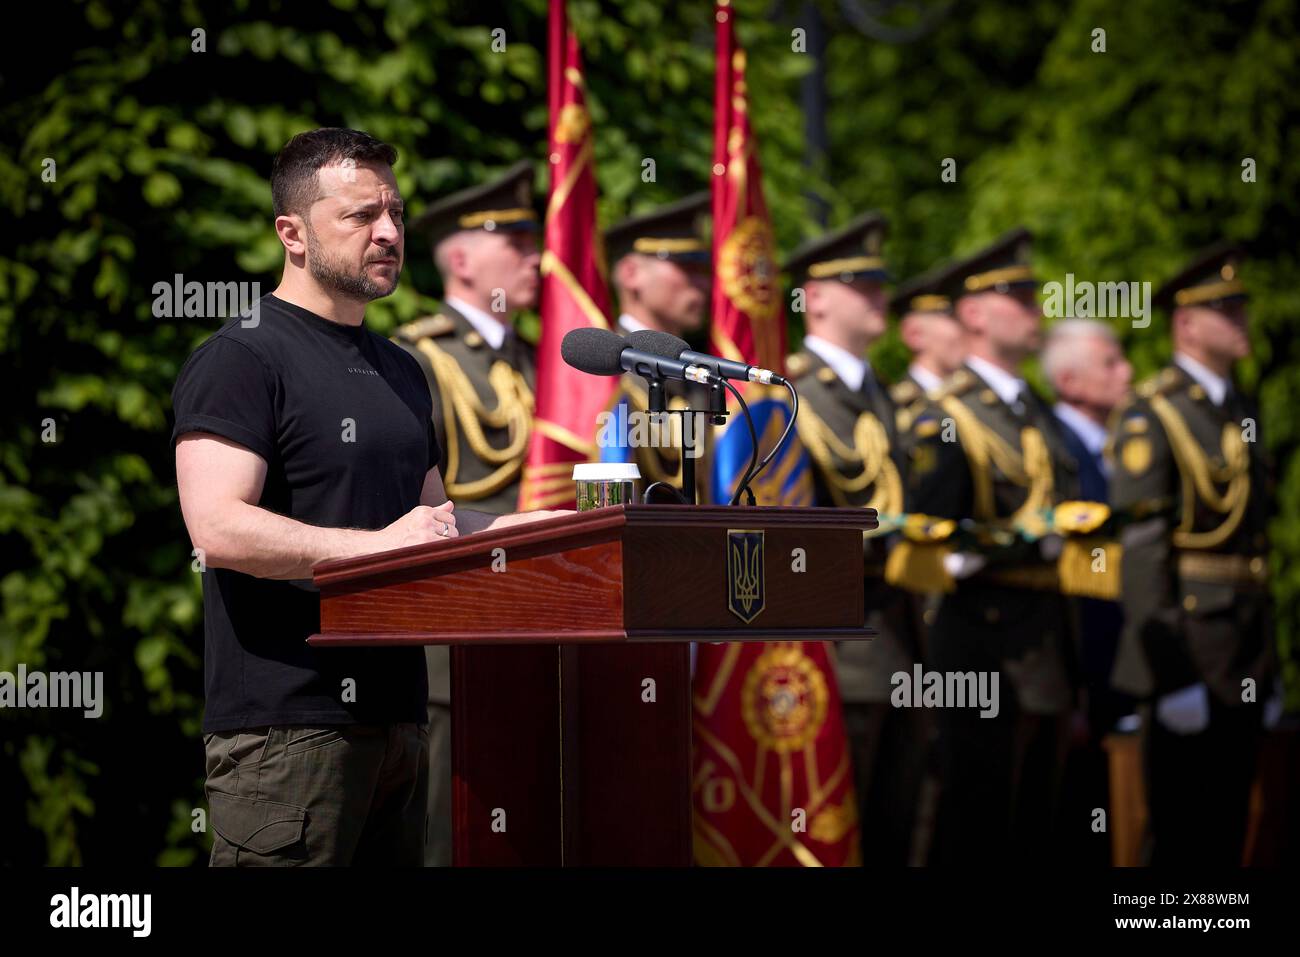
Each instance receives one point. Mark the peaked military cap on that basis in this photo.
(923, 293)
(1002, 266)
(505, 203)
(1210, 278)
(851, 252)
(674, 232)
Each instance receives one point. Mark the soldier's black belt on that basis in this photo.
(1039, 577)
(1242, 570)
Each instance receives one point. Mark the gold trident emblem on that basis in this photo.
(745, 573)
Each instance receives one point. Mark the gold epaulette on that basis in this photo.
(1131, 416)
(909, 399)
(428, 327)
(1139, 400)
(1163, 382)
(797, 365)
(959, 383)
(905, 392)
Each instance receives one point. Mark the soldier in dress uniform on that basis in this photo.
(847, 424)
(987, 452)
(1191, 472)
(661, 271)
(933, 335)
(481, 375)
(931, 332)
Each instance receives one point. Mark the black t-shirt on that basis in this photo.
(342, 418)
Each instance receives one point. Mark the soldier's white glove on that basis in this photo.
(1273, 705)
(963, 564)
(1186, 711)
(1049, 546)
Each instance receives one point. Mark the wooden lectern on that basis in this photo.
(571, 719)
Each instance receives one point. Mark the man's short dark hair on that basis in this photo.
(294, 184)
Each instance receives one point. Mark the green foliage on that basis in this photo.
(156, 158)
(1123, 162)
(1146, 165)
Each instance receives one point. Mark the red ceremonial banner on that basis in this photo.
(574, 289)
(772, 782)
(748, 312)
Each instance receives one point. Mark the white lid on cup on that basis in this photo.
(606, 472)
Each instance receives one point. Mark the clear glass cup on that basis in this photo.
(605, 483)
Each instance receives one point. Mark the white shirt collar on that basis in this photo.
(926, 379)
(492, 329)
(851, 369)
(631, 324)
(1092, 433)
(1215, 386)
(1007, 386)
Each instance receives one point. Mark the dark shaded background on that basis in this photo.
(1123, 162)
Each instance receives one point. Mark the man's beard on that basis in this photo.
(333, 274)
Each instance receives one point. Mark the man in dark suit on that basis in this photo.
(847, 424)
(1192, 472)
(481, 375)
(1086, 368)
(1090, 376)
(988, 454)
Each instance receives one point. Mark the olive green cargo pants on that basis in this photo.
(318, 796)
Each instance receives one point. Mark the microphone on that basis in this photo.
(661, 343)
(669, 346)
(601, 352)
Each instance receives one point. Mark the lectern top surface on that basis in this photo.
(577, 525)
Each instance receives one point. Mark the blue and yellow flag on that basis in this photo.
(748, 315)
(787, 480)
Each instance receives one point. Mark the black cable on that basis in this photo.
(753, 439)
(655, 488)
(794, 414)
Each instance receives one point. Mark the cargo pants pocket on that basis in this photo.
(251, 833)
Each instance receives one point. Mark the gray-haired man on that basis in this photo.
(1087, 370)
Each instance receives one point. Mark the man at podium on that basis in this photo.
(301, 436)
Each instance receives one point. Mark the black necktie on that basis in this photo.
(1018, 404)
(1233, 405)
(509, 350)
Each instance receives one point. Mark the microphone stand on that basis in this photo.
(717, 412)
(655, 402)
(688, 462)
(717, 403)
(717, 415)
